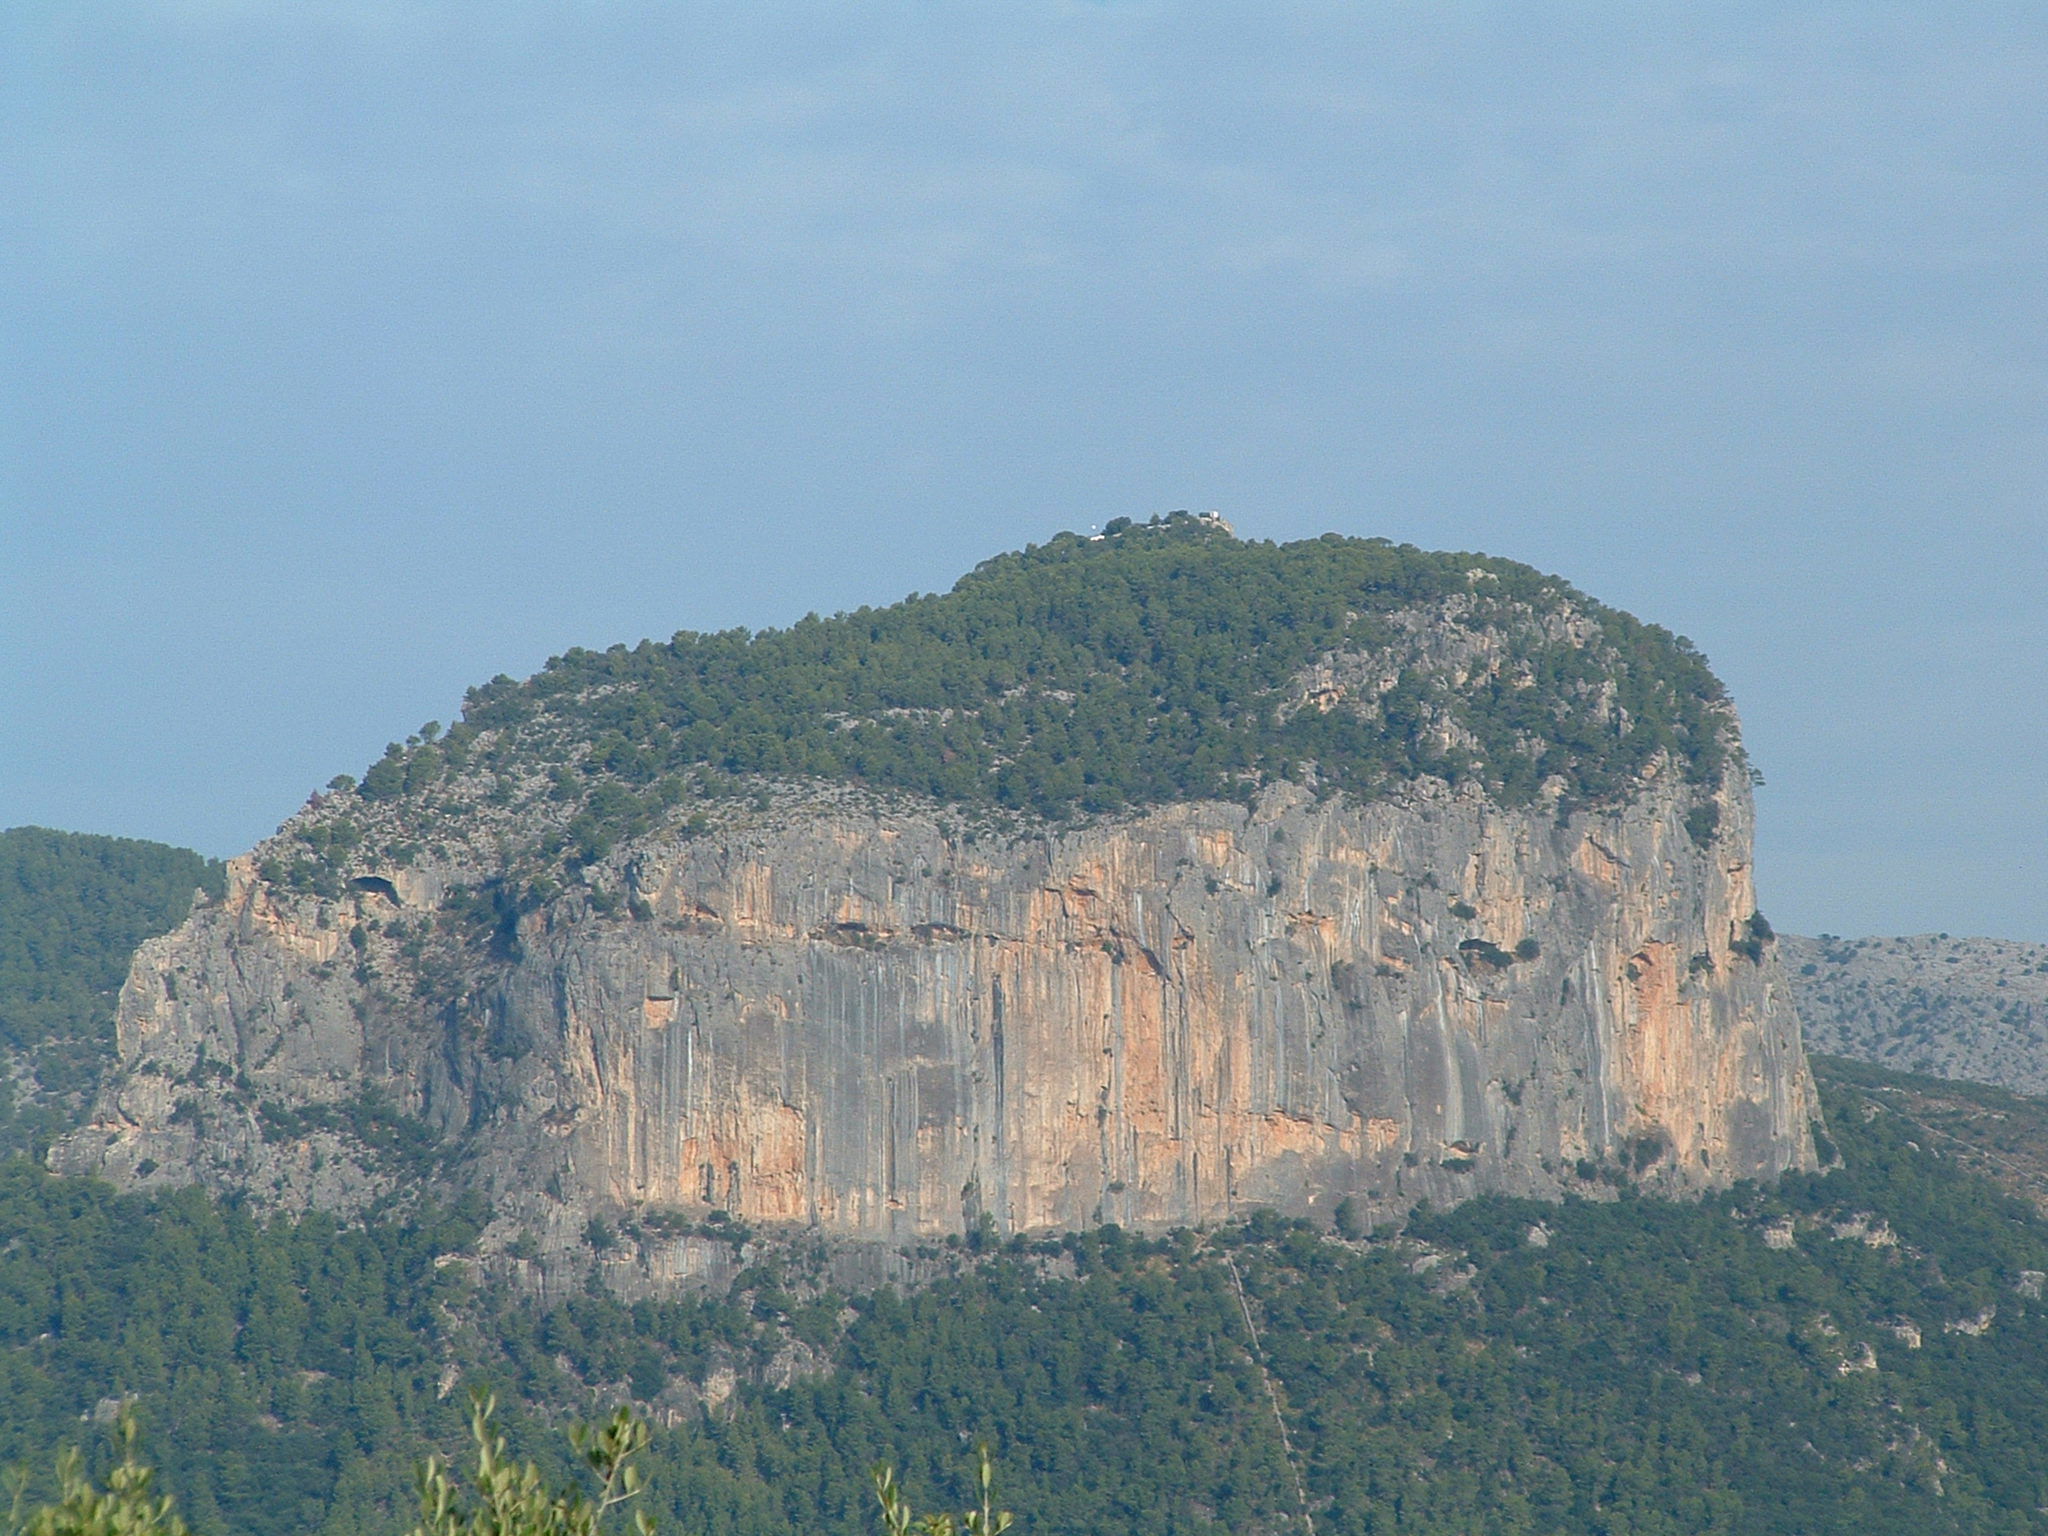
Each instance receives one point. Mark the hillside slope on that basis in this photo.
(73, 908)
(1997, 1134)
(1969, 1008)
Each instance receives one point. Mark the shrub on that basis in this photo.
(1702, 822)
(385, 778)
(507, 1499)
(1350, 1222)
(124, 1508)
(1485, 952)
(898, 1519)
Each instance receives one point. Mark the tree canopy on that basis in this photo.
(1155, 662)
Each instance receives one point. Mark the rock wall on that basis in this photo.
(866, 1020)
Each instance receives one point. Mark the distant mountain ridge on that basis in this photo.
(1968, 1008)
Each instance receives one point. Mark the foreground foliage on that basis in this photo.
(502, 1497)
(899, 1519)
(499, 1497)
(1857, 1352)
(127, 1506)
(505, 1497)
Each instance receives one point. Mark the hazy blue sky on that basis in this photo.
(355, 352)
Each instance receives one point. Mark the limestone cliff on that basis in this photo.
(850, 1015)
(1144, 878)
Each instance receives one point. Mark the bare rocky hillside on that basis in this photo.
(1951, 1007)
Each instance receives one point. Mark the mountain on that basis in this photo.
(73, 908)
(1150, 877)
(1949, 1007)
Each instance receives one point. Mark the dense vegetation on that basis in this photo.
(1995, 1132)
(72, 910)
(1151, 664)
(1638, 1367)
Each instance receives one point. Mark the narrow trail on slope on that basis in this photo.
(1272, 1396)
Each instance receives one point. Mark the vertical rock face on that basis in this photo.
(1309, 971)
(850, 1015)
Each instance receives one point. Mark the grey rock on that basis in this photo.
(1969, 1008)
(853, 1015)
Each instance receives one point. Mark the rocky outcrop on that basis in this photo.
(862, 1016)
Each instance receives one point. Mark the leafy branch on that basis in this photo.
(125, 1507)
(508, 1498)
(898, 1519)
